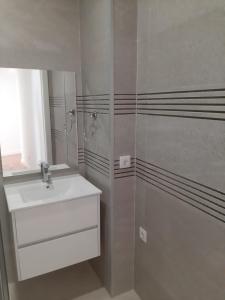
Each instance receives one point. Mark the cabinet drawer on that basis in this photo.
(52, 255)
(40, 223)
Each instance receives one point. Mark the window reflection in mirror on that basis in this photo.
(37, 119)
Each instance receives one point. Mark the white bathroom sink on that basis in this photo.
(35, 192)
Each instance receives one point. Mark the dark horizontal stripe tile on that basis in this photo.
(56, 98)
(180, 104)
(183, 91)
(180, 98)
(198, 184)
(85, 101)
(181, 116)
(117, 168)
(62, 101)
(182, 110)
(92, 104)
(88, 112)
(58, 132)
(124, 94)
(53, 105)
(95, 108)
(97, 154)
(57, 106)
(125, 104)
(117, 165)
(204, 210)
(210, 206)
(184, 185)
(91, 110)
(125, 176)
(124, 108)
(180, 188)
(93, 95)
(51, 102)
(124, 101)
(96, 160)
(125, 170)
(96, 164)
(123, 173)
(96, 169)
(124, 113)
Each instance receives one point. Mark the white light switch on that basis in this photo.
(125, 162)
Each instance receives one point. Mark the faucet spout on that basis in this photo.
(45, 173)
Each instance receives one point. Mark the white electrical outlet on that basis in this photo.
(125, 161)
(143, 234)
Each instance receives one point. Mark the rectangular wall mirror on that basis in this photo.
(38, 120)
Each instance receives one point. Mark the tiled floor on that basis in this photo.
(101, 294)
(78, 282)
(65, 284)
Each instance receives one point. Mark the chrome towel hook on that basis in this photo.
(93, 115)
(71, 112)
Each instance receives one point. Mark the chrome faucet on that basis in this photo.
(45, 173)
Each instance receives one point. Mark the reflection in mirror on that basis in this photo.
(37, 119)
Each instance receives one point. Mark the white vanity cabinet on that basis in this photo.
(55, 234)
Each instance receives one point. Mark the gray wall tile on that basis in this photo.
(124, 139)
(123, 235)
(42, 35)
(184, 248)
(124, 68)
(96, 60)
(180, 47)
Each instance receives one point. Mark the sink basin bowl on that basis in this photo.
(35, 193)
